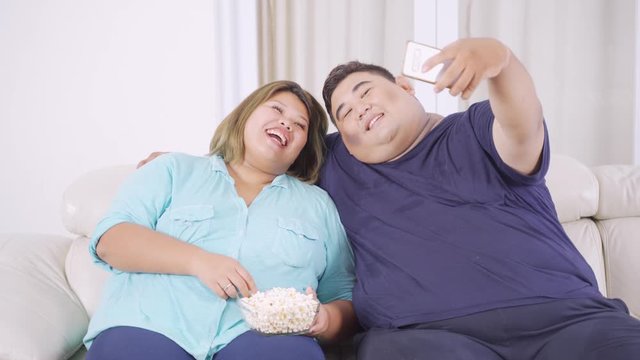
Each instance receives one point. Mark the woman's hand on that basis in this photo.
(225, 276)
(321, 323)
(335, 320)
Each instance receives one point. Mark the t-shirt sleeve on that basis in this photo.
(338, 279)
(481, 118)
(141, 199)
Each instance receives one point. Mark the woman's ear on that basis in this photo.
(405, 84)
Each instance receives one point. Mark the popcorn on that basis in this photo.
(279, 311)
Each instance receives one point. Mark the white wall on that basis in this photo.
(87, 83)
(637, 97)
(435, 24)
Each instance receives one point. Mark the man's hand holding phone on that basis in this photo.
(461, 65)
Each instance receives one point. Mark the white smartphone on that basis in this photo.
(415, 55)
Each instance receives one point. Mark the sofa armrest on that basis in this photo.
(40, 316)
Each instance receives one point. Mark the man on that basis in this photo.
(459, 253)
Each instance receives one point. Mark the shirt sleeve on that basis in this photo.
(481, 119)
(141, 199)
(338, 279)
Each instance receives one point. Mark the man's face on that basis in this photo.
(377, 119)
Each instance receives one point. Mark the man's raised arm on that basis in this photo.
(518, 130)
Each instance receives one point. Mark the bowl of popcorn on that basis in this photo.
(279, 311)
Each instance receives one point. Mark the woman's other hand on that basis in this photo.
(321, 323)
(335, 320)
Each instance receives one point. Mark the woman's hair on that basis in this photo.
(228, 140)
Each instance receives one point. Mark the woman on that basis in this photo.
(186, 235)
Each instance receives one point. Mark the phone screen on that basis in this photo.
(415, 55)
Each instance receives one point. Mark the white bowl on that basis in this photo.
(279, 311)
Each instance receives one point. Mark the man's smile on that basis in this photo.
(371, 120)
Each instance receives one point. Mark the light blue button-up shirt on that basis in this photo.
(290, 236)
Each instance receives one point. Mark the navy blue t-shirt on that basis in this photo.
(449, 229)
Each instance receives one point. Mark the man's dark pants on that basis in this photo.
(574, 329)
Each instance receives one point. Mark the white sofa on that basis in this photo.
(50, 287)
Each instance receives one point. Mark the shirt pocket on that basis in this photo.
(297, 243)
(192, 223)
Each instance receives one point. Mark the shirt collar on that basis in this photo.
(218, 165)
(282, 181)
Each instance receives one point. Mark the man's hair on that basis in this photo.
(228, 140)
(340, 72)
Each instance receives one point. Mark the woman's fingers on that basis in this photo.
(230, 288)
(320, 323)
(240, 285)
(218, 290)
(236, 282)
(224, 275)
(248, 280)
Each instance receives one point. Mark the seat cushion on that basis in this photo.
(621, 248)
(41, 317)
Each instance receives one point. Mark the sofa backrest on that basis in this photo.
(87, 199)
(573, 187)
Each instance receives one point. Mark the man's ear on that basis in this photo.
(405, 84)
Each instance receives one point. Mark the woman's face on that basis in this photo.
(275, 133)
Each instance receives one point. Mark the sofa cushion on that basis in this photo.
(621, 241)
(85, 202)
(85, 277)
(573, 187)
(619, 191)
(41, 317)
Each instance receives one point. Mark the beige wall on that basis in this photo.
(581, 55)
